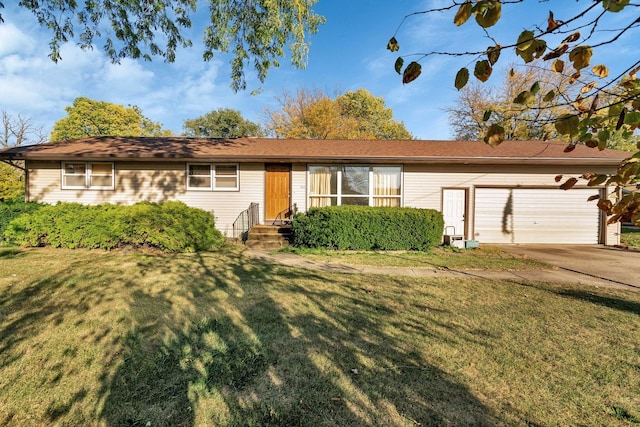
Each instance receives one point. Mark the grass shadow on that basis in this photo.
(606, 301)
(10, 253)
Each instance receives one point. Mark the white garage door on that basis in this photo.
(520, 215)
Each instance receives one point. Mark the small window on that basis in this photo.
(203, 176)
(87, 175)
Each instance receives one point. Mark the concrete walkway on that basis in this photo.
(555, 274)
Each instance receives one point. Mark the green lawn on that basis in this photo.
(113, 339)
(486, 257)
(630, 236)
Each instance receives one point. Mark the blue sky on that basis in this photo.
(349, 52)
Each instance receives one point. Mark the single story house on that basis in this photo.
(506, 194)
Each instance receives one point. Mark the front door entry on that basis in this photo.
(454, 209)
(278, 189)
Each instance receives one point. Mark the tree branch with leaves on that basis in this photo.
(256, 32)
(598, 109)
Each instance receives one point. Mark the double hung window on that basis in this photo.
(207, 176)
(88, 175)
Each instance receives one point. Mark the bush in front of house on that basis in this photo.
(13, 208)
(169, 226)
(368, 228)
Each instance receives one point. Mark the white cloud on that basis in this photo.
(12, 40)
(126, 77)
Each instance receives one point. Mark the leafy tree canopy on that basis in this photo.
(254, 31)
(599, 108)
(11, 182)
(221, 123)
(313, 114)
(87, 117)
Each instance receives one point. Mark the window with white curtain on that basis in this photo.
(386, 186)
(323, 186)
(332, 185)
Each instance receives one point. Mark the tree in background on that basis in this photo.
(16, 131)
(87, 117)
(467, 115)
(221, 123)
(605, 109)
(374, 119)
(313, 114)
(254, 31)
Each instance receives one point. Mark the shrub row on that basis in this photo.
(169, 226)
(368, 228)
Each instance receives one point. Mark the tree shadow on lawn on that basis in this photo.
(10, 253)
(229, 340)
(606, 301)
(252, 359)
(30, 311)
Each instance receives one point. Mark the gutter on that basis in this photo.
(578, 161)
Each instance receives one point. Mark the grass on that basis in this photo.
(482, 258)
(630, 236)
(108, 338)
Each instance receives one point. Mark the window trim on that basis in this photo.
(213, 177)
(209, 188)
(87, 176)
(370, 197)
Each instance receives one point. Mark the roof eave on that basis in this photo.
(441, 160)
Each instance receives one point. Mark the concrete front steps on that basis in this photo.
(269, 237)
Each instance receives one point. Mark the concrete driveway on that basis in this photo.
(619, 267)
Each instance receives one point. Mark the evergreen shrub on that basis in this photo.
(368, 228)
(13, 208)
(169, 226)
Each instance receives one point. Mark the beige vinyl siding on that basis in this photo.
(299, 186)
(423, 184)
(227, 205)
(156, 182)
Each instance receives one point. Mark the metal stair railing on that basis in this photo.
(245, 221)
(285, 216)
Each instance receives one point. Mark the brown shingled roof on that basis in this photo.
(286, 150)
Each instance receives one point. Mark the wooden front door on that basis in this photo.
(278, 189)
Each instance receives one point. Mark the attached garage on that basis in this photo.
(536, 215)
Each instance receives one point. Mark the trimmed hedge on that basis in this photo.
(368, 228)
(169, 226)
(13, 208)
